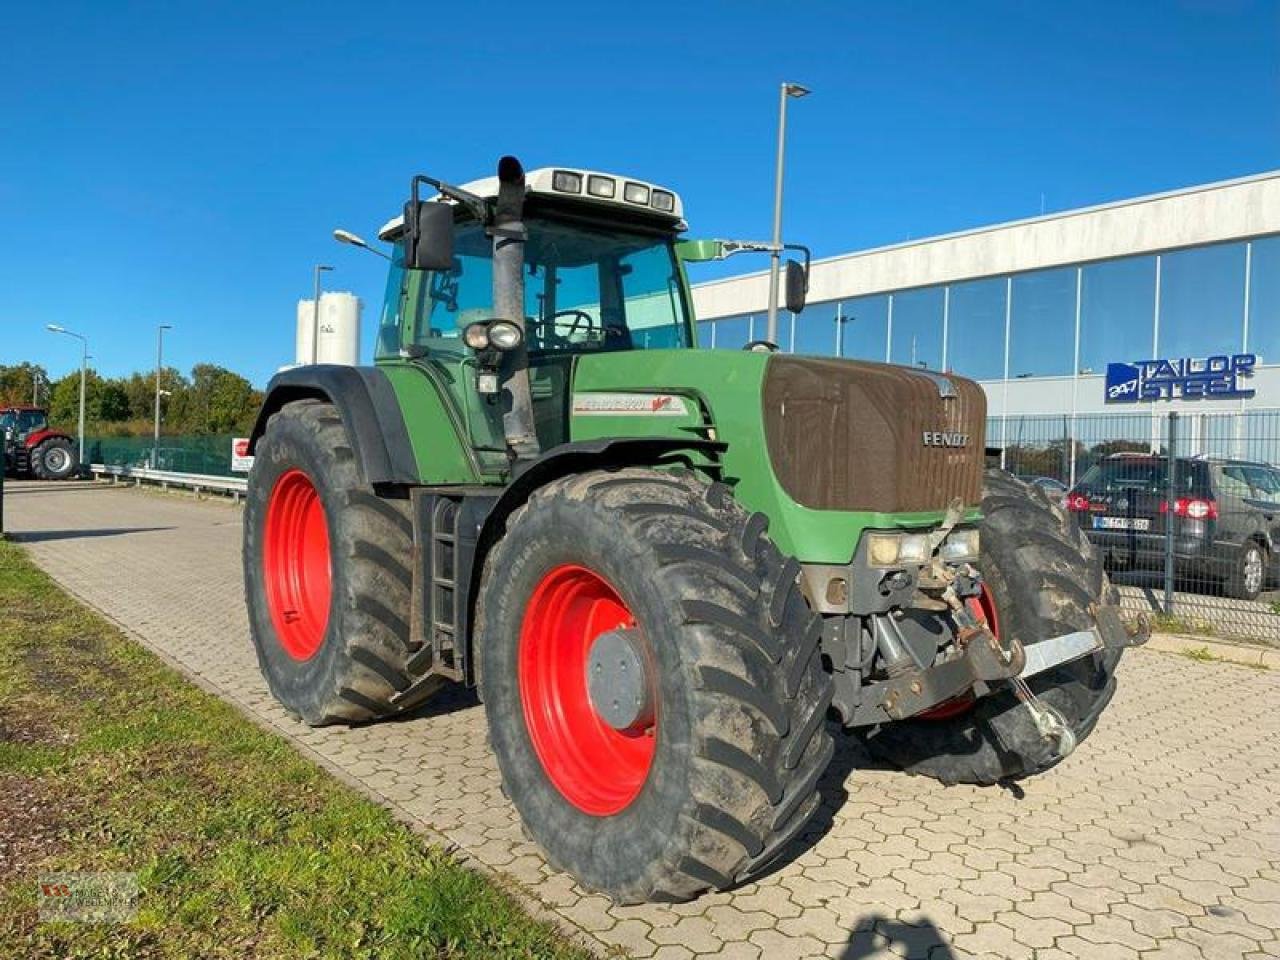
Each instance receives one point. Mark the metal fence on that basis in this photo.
(208, 455)
(1189, 543)
(1185, 508)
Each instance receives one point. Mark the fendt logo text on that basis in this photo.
(941, 438)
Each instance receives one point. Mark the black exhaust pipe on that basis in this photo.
(508, 233)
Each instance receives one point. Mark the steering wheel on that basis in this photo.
(581, 320)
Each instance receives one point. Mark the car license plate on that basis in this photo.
(1121, 523)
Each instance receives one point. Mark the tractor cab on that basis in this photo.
(19, 422)
(601, 274)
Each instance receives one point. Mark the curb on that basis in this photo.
(1246, 654)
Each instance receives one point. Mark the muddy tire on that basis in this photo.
(54, 459)
(327, 575)
(1043, 576)
(736, 733)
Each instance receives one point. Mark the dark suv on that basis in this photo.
(1224, 517)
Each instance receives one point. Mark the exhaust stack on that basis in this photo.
(508, 232)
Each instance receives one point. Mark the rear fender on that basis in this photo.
(38, 437)
(370, 414)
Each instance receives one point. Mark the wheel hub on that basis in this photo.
(596, 754)
(296, 565)
(618, 681)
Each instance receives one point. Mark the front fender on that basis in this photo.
(570, 458)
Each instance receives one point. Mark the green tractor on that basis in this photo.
(664, 567)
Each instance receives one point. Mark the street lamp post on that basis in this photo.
(788, 91)
(84, 369)
(315, 315)
(155, 448)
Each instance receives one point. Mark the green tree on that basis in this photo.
(17, 383)
(217, 401)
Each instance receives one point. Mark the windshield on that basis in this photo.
(586, 290)
(7, 420)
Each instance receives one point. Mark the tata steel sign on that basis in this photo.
(1184, 378)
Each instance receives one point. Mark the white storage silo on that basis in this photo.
(303, 339)
(339, 329)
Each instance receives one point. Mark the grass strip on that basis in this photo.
(111, 761)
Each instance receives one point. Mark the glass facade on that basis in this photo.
(1117, 311)
(1194, 302)
(1201, 299)
(1042, 327)
(864, 328)
(975, 328)
(1264, 300)
(915, 328)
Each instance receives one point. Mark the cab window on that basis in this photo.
(586, 290)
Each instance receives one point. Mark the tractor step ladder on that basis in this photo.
(437, 599)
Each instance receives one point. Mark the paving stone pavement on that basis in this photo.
(1159, 837)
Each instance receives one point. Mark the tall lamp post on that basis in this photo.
(155, 448)
(315, 315)
(84, 369)
(789, 91)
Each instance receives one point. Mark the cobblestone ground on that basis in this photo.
(1160, 837)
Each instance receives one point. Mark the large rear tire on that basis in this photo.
(1044, 577)
(327, 578)
(720, 768)
(54, 459)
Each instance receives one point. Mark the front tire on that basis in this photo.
(54, 459)
(720, 768)
(1044, 577)
(327, 579)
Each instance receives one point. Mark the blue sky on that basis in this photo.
(185, 163)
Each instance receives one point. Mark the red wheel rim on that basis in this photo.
(598, 769)
(984, 608)
(295, 565)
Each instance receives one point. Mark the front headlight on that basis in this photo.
(897, 549)
(882, 549)
(505, 335)
(960, 545)
(914, 549)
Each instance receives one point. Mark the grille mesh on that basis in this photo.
(848, 435)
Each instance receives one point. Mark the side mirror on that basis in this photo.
(428, 241)
(797, 286)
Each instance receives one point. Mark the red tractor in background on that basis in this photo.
(32, 449)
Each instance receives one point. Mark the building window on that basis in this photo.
(975, 329)
(1201, 301)
(706, 334)
(733, 333)
(863, 327)
(1264, 300)
(1117, 312)
(916, 336)
(1042, 333)
(816, 330)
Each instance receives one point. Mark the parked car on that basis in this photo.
(1054, 489)
(1224, 517)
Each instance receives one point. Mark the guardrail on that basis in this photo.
(235, 487)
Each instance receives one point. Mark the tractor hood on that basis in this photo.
(825, 447)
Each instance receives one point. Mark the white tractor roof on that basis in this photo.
(594, 187)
